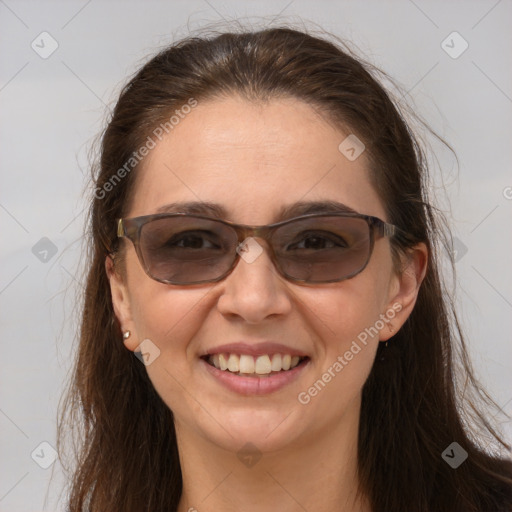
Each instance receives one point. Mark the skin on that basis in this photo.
(252, 159)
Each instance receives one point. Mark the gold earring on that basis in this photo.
(126, 334)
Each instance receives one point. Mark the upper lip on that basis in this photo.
(254, 349)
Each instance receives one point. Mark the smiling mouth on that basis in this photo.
(245, 365)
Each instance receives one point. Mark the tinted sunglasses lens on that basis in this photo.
(183, 249)
(321, 249)
(186, 250)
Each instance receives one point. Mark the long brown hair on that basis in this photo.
(125, 442)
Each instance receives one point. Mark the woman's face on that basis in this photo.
(253, 160)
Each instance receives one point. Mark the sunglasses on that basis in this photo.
(184, 249)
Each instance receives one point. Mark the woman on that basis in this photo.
(262, 242)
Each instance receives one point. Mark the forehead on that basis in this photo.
(253, 159)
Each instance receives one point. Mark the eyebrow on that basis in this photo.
(285, 212)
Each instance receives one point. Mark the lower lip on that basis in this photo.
(255, 385)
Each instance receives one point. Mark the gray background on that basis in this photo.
(52, 108)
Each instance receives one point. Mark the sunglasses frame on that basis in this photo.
(131, 228)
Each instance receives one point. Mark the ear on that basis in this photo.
(121, 303)
(404, 290)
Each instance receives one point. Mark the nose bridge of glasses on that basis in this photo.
(246, 231)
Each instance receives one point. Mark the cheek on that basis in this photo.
(346, 320)
(163, 313)
(169, 317)
(343, 324)
(350, 310)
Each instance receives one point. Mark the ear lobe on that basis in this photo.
(414, 269)
(121, 303)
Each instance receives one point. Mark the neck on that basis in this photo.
(314, 472)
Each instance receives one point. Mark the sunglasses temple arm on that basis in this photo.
(120, 229)
(391, 230)
(388, 229)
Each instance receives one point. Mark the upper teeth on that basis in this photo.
(248, 364)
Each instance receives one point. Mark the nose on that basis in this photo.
(254, 290)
